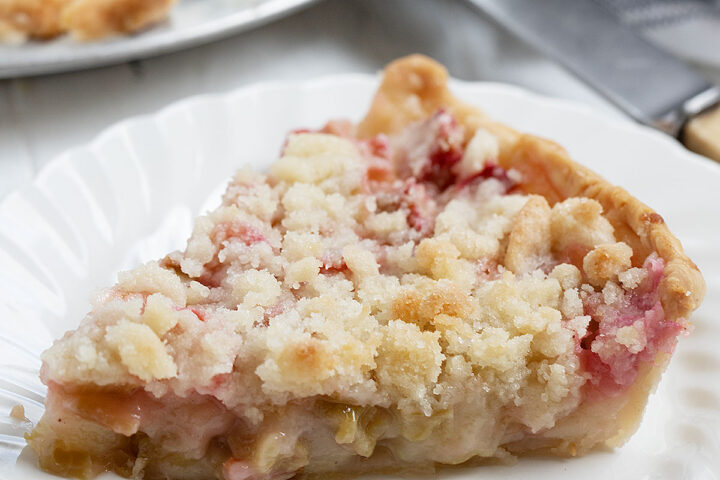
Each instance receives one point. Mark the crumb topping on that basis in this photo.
(406, 279)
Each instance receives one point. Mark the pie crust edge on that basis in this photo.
(416, 86)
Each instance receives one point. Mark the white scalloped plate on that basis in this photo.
(130, 196)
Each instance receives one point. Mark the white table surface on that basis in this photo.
(41, 117)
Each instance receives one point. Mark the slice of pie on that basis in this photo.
(423, 288)
(83, 19)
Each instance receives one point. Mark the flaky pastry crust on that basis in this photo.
(415, 86)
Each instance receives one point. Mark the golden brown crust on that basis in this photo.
(91, 19)
(530, 236)
(36, 18)
(416, 86)
(84, 19)
(550, 172)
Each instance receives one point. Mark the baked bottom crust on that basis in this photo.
(427, 287)
(83, 19)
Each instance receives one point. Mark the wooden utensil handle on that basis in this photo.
(702, 133)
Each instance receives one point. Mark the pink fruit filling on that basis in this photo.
(490, 171)
(246, 233)
(428, 150)
(612, 363)
(238, 470)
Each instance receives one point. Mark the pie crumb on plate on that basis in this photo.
(423, 288)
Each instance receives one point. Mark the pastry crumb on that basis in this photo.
(632, 277)
(17, 412)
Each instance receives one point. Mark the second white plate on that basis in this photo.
(131, 195)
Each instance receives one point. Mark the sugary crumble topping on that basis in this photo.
(400, 292)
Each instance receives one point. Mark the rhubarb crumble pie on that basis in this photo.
(422, 288)
(83, 19)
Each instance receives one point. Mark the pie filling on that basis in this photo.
(365, 306)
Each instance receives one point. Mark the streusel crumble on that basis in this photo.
(399, 294)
